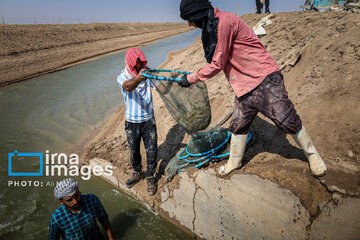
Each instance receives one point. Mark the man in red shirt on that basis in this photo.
(231, 45)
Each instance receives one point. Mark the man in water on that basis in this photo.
(139, 117)
(76, 217)
(231, 45)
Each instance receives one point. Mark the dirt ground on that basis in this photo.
(320, 56)
(31, 50)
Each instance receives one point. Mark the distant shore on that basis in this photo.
(32, 50)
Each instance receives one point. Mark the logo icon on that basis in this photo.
(18, 154)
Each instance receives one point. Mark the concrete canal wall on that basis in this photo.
(244, 207)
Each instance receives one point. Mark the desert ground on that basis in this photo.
(319, 54)
(28, 51)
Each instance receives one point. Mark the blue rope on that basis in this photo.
(211, 151)
(205, 157)
(197, 159)
(147, 74)
(180, 157)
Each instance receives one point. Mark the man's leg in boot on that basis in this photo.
(282, 112)
(267, 3)
(237, 150)
(150, 143)
(317, 165)
(134, 138)
(258, 7)
(291, 125)
(242, 118)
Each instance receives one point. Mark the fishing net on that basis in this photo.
(190, 107)
(204, 147)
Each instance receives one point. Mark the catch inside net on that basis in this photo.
(190, 107)
(204, 147)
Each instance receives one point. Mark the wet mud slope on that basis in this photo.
(320, 55)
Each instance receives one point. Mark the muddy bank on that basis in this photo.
(242, 207)
(319, 54)
(32, 50)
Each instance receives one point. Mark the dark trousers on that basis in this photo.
(271, 99)
(259, 5)
(146, 131)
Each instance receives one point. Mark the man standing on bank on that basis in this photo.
(139, 117)
(231, 45)
(260, 5)
(76, 217)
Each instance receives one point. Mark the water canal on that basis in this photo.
(53, 112)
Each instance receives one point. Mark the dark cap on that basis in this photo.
(191, 8)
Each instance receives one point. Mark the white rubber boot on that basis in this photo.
(317, 165)
(237, 149)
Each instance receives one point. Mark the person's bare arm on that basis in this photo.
(107, 227)
(131, 84)
(164, 87)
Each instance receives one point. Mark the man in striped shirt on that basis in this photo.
(139, 117)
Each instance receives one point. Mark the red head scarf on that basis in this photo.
(131, 56)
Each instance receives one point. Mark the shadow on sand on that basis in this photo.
(168, 149)
(268, 138)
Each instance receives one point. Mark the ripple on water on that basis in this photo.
(19, 214)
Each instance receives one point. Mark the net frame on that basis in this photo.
(147, 74)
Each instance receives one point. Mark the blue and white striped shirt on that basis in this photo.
(138, 102)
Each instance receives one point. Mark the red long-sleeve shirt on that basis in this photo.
(240, 53)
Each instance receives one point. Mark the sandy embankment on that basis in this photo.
(31, 50)
(320, 56)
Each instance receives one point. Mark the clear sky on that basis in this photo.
(25, 11)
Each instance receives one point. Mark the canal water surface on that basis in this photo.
(53, 112)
